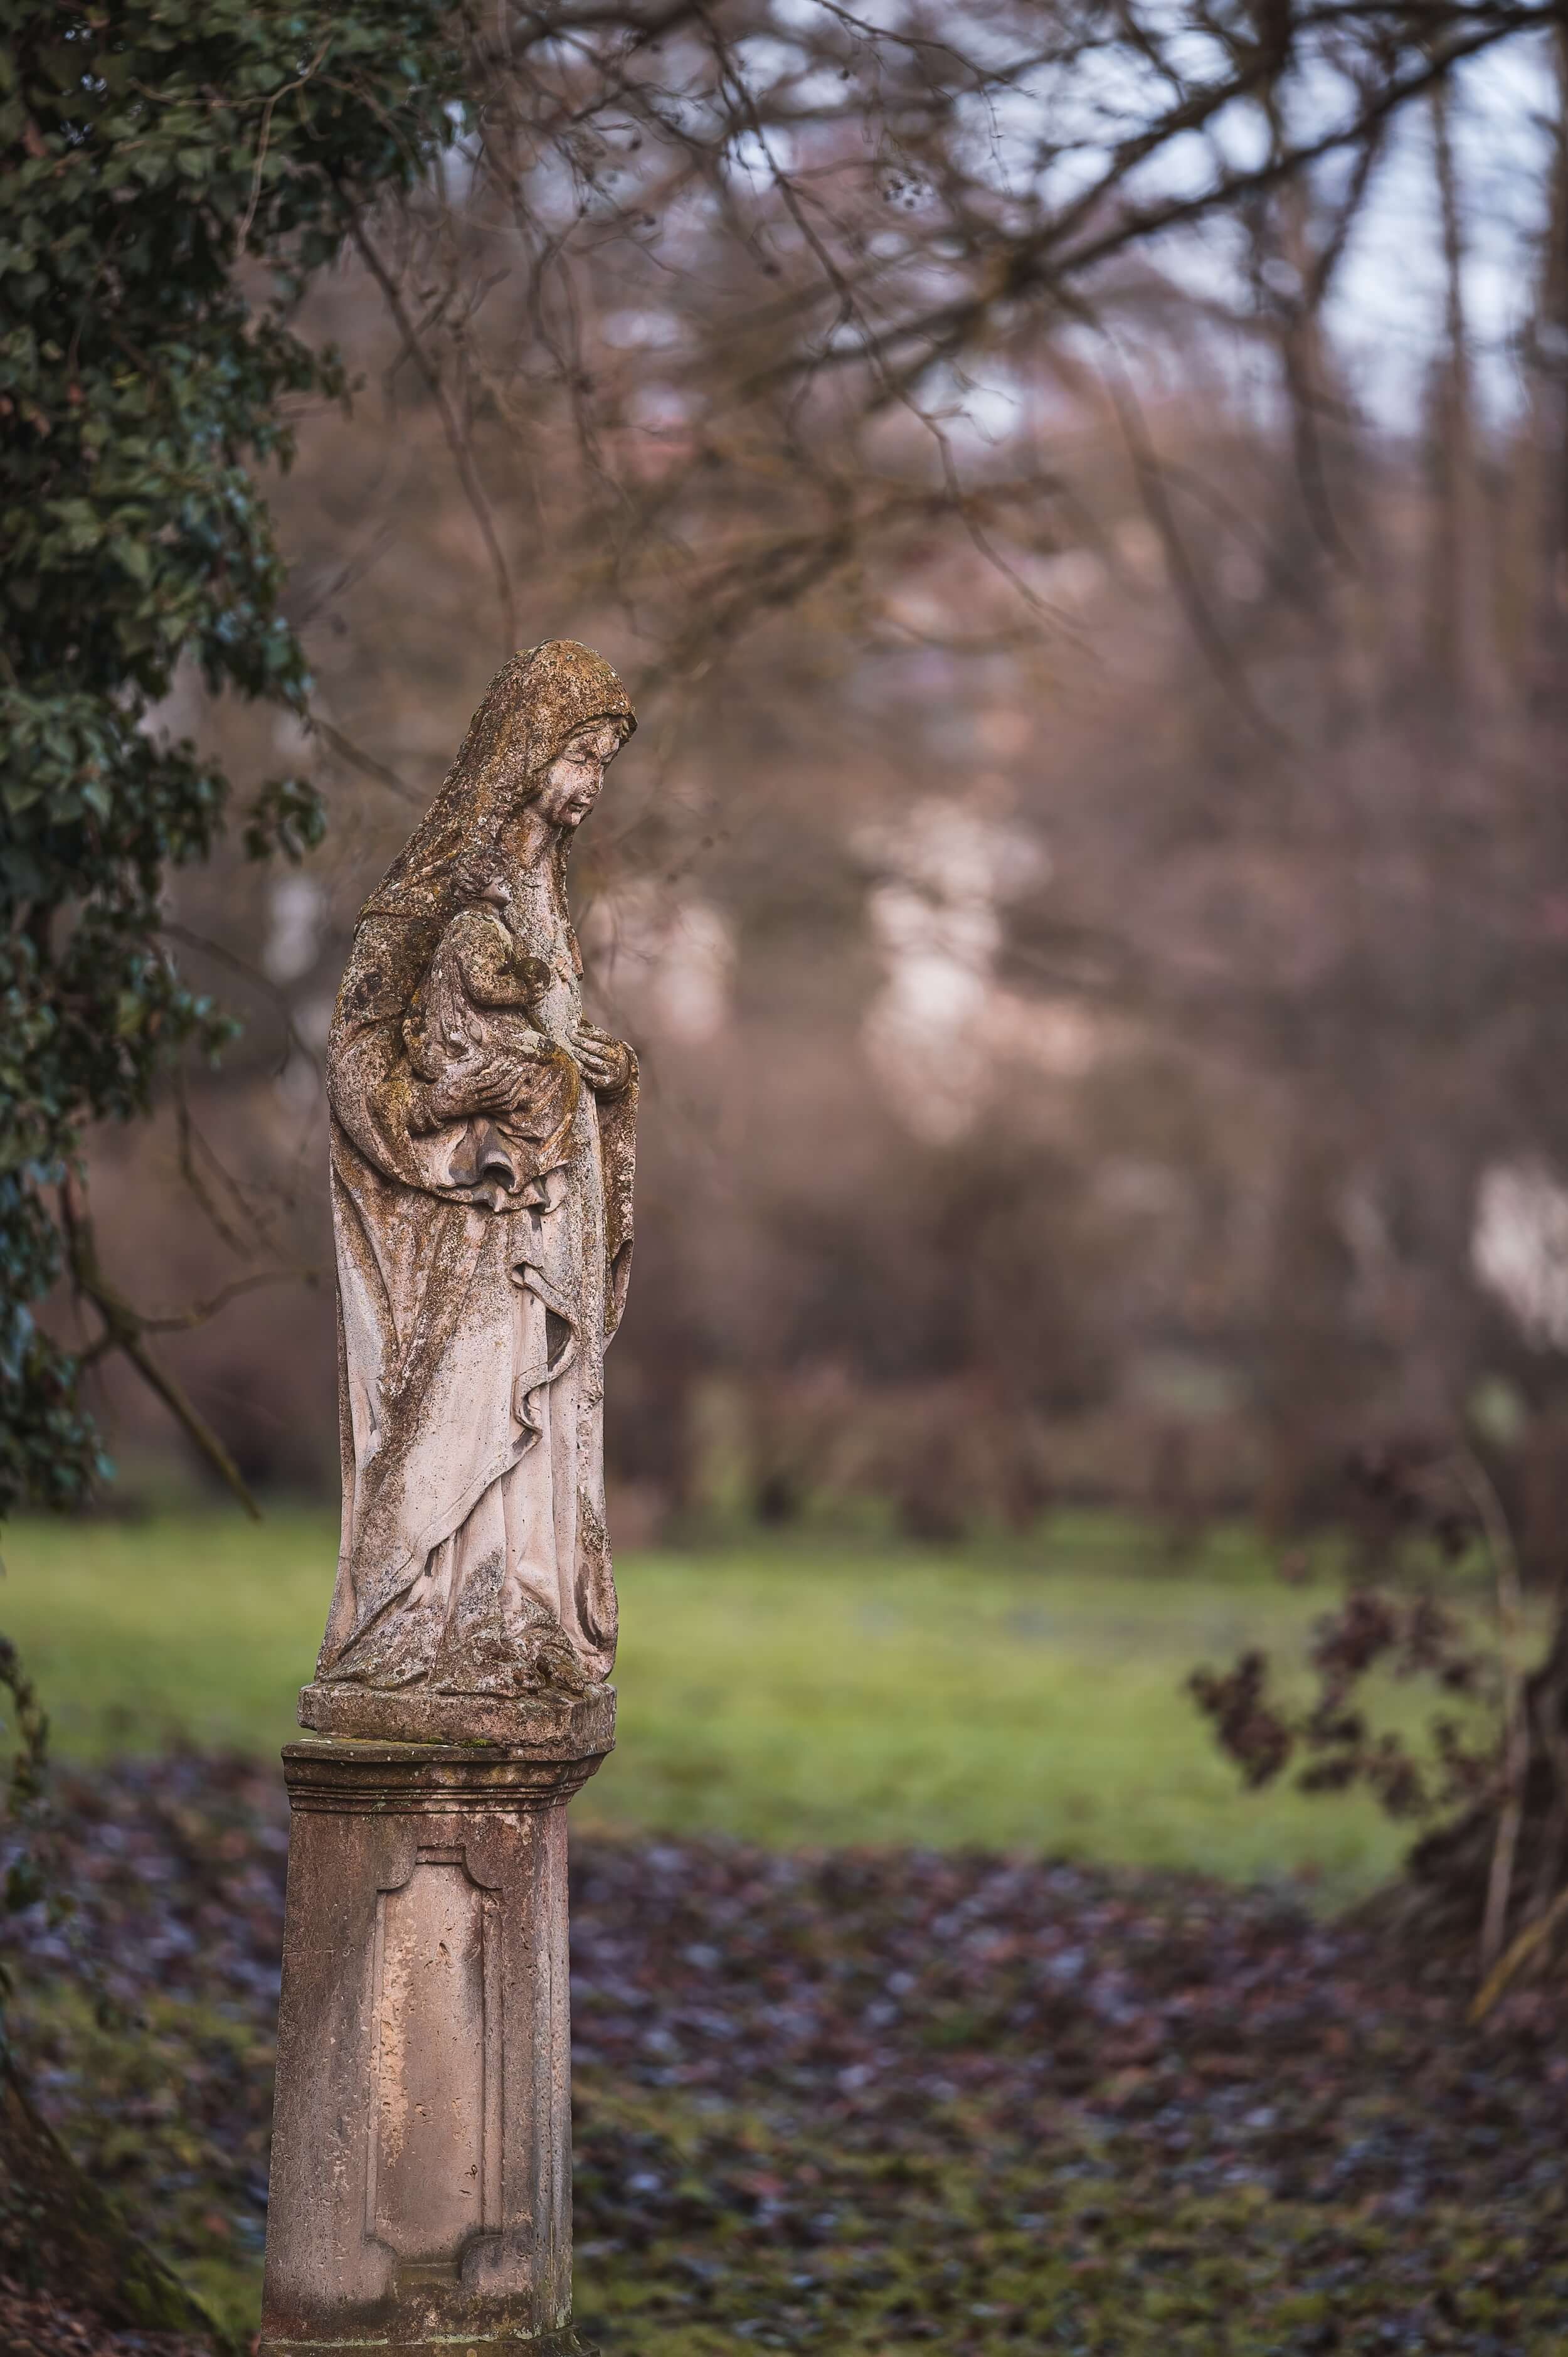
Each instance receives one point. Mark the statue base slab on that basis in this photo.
(548, 1726)
(422, 2163)
(554, 2344)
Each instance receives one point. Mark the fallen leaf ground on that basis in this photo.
(877, 2103)
(33, 2325)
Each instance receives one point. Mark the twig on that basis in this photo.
(358, 759)
(249, 214)
(1504, 1561)
(122, 1331)
(189, 1138)
(1512, 1961)
(293, 1041)
(183, 1321)
(1151, 481)
(457, 440)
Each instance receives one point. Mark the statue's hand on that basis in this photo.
(606, 1063)
(487, 1080)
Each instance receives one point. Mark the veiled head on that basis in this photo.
(551, 720)
(536, 706)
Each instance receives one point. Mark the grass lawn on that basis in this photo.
(1024, 1698)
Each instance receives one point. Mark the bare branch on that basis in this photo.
(457, 440)
(123, 1330)
(366, 763)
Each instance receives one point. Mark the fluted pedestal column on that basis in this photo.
(421, 2159)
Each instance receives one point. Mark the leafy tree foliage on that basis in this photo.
(149, 150)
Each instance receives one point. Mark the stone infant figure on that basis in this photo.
(482, 991)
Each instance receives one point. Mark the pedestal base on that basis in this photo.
(554, 2344)
(421, 2201)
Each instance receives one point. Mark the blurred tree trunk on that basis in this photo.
(1549, 604)
(1452, 1871)
(1293, 233)
(59, 2234)
(1456, 579)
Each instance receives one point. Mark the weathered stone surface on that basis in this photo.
(482, 1149)
(556, 1725)
(482, 1145)
(421, 2179)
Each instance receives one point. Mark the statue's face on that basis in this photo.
(574, 778)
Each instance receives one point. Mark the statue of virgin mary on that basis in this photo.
(481, 1166)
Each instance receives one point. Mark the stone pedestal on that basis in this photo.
(420, 2202)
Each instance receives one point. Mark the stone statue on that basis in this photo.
(421, 2189)
(482, 1149)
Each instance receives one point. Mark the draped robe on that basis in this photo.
(475, 1308)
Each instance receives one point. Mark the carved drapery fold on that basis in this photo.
(483, 1247)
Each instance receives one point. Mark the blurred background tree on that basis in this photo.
(147, 151)
(1082, 500)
